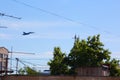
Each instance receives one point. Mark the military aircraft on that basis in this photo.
(27, 33)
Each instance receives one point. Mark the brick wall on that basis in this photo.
(57, 78)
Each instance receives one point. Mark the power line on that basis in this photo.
(52, 13)
(63, 17)
(46, 11)
(2, 14)
(26, 61)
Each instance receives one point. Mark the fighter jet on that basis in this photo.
(27, 33)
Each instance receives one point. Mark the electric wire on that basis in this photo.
(63, 17)
(27, 62)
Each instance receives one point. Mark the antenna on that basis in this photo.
(2, 14)
(11, 56)
(18, 60)
(17, 65)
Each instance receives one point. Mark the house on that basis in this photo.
(3, 60)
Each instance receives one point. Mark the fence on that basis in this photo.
(57, 78)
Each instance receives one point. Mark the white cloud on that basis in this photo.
(38, 60)
(115, 55)
(17, 26)
(44, 55)
(5, 36)
(34, 24)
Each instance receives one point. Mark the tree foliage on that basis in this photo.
(57, 67)
(21, 71)
(31, 71)
(84, 53)
(88, 52)
(114, 67)
(28, 71)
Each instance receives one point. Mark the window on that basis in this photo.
(1, 55)
(0, 65)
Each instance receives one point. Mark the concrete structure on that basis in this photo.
(3, 60)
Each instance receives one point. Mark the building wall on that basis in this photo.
(57, 78)
(3, 59)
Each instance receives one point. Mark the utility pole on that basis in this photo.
(2, 14)
(18, 60)
(11, 57)
(17, 65)
(6, 66)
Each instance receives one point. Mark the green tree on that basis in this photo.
(31, 71)
(28, 71)
(21, 71)
(114, 67)
(87, 53)
(57, 67)
(84, 53)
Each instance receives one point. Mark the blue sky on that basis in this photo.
(55, 22)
